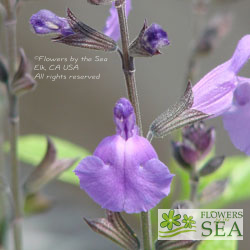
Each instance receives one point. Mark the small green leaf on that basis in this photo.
(237, 170)
(31, 149)
(218, 245)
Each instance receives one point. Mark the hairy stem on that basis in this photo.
(13, 121)
(129, 72)
(128, 62)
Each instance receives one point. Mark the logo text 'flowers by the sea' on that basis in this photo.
(200, 224)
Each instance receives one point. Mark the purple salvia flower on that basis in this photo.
(124, 173)
(112, 27)
(71, 31)
(222, 92)
(47, 22)
(154, 38)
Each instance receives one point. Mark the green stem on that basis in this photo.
(146, 230)
(129, 72)
(10, 24)
(194, 182)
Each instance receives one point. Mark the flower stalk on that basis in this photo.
(129, 72)
(10, 25)
(128, 61)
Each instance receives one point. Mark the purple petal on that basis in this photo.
(213, 94)
(47, 22)
(113, 149)
(99, 181)
(112, 27)
(241, 54)
(237, 119)
(154, 38)
(242, 92)
(124, 118)
(146, 185)
(131, 168)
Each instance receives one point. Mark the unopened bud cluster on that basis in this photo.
(197, 142)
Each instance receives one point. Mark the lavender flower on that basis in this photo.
(197, 143)
(124, 173)
(149, 41)
(47, 22)
(222, 92)
(112, 27)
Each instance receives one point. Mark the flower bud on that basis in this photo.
(71, 31)
(197, 142)
(149, 41)
(47, 22)
(124, 118)
(23, 82)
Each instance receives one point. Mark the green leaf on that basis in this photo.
(31, 149)
(237, 170)
(218, 245)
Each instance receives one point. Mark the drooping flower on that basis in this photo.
(112, 27)
(197, 141)
(124, 173)
(47, 22)
(70, 31)
(149, 41)
(223, 92)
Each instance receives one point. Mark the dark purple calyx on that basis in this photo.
(199, 136)
(197, 142)
(154, 38)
